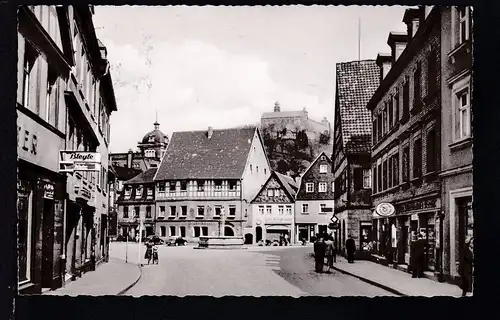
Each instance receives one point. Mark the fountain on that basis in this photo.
(221, 241)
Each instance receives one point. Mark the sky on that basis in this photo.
(196, 67)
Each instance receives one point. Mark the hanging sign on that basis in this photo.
(48, 191)
(385, 209)
(70, 161)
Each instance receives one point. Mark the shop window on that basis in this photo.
(148, 212)
(196, 231)
(183, 231)
(125, 212)
(417, 158)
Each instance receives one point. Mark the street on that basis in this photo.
(256, 271)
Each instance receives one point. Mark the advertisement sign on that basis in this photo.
(71, 161)
(48, 191)
(385, 209)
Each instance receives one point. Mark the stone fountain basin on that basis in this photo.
(220, 242)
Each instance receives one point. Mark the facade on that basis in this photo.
(273, 210)
(356, 83)
(136, 202)
(294, 121)
(206, 174)
(153, 146)
(406, 137)
(65, 98)
(130, 159)
(314, 201)
(456, 137)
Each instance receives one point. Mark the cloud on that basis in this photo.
(193, 85)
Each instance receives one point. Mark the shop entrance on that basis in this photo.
(303, 233)
(47, 242)
(466, 226)
(258, 234)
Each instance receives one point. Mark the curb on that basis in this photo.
(133, 283)
(373, 283)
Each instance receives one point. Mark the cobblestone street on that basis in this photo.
(257, 271)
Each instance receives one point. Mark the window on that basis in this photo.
(232, 184)
(148, 212)
(201, 211)
(384, 121)
(322, 187)
(204, 231)
(367, 179)
(323, 158)
(162, 212)
(309, 187)
(52, 98)
(416, 88)
(30, 56)
(196, 232)
(289, 210)
(379, 177)
(270, 192)
(432, 72)
(173, 212)
(406, 100)
(184, 211)
(183, 185)
(232, 211)
(261, 210)
(431, 151)
(269, 209)
(201, 185)
(217, 211)
(417, 158)
(406, 164)
(323, 168)
(280, 210)
(374, 135)
(265, 171)
(183, 231)
(463, 114)
(151, 139)
(305, 208)
(390, 172)
(138, 192)
(218, 184)
(333, 186)
(391, 114)
(384, 175)
(125, 212)
(250, 168)
(257, 168)
(463, 16)
(322, 207)
(374, 179)
(358, 178)
(395, 170)
(379, 129)
(172, 231)
(396, 107)
(163, 231)
(172, 186)
(136, 212)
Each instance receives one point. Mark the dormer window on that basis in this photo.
(232, 185)
(151, 139)
(201, 185)
(128, 191)
(138, 192)
(161, 187)
(172, 186)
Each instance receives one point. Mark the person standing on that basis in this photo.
(350, 247)
(466, 267)
(329, 252)
(419, 260)
(319, 254)
(286, 239)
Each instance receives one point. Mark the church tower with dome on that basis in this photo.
(153, 146)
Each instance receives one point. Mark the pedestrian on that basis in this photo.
(281, 240)
(334, 252)
(329, 252)
(418, 257)
(466, 267)
(286, 239)
(155, 254)
(350, 247)
(149, 250)
(319, 254)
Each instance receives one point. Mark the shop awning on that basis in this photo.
(278, 228)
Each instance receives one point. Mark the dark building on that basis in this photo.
(356, 83)
(406, 139)
(456, 137)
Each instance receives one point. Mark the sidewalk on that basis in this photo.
(111, 278)
(397, 281)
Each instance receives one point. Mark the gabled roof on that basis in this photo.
(145, 177)
(192, 155)
(125, 173)
(322, 153)
(286, 182)
(357, 81)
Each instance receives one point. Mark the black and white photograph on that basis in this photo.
(245, 151)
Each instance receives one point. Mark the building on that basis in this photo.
(356, 82)
(43, 69)
(406, 137)
(64, 101)
(205, 174)
(90, 101)
(136, 202)
(294, 121)
(314, 201)
(456, 138)
(151, 150)
(273, 209)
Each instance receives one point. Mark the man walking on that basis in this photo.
(329, 252)
(350, 247)
(319, 253)
(418, 257)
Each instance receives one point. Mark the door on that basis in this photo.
(258, 234)
(47, 242)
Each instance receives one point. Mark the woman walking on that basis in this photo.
(329, 252)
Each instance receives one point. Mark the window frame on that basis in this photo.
(306, 206)
(367, 174)
(161, 213)
(324, 184)
(125, 212)
(323, 168)
(309, 187)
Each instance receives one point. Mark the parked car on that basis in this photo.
(179, 241)
(155, 239)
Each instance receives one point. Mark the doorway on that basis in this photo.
(248, 238)
(47, 242)
(228, 231)
(258, 234)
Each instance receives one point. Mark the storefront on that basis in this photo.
(305, 232)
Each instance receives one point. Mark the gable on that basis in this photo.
(272, 183)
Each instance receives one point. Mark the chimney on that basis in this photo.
(129, 158)
(412, 19)
(277, 107)
(384, 61)
(397, 41)
(210, 132)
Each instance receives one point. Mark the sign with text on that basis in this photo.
(71, 161)
(385, 209)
